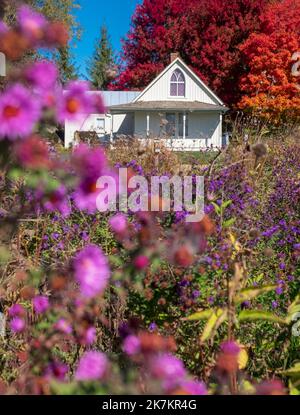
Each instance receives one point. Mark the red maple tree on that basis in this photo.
(269, 87)
(206, 33)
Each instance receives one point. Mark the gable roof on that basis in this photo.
(191, 73)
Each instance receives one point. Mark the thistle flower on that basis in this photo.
(16, 310)
(19, 112)
(92, 366)
(91, 271)
(63, 326)
(167, 367)
(42, 75)
(118, 223)
(17, 325)
(40, 304)
(131, 345)
(141, 262)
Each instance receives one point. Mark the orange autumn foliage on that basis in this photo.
(270, 90)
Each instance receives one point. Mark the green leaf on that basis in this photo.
(215, 320)
(200, 315)
(293, 372)
(226, 204)
(253, 292)
(229, 223)
(217, 208)
(254, 315)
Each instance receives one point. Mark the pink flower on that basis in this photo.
(42, 75)
(141, 262)
(31, 23)
(118, 223)
(17, 325)
(91, 271)
(230, 347)
(131, 345)
(90, 165)
(19, 112)
(191, 387)
(57, 370)
(3, 28)
(16, 310)
(167, 367)
(92, 366)
(63, 326)
(40, 304)
(58, 201)
(75, 103)
(90, 336)
(32, 153)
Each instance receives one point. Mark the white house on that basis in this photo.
(176, 107)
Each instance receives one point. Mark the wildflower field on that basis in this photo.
(139, 302)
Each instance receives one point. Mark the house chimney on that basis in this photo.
(174, 56)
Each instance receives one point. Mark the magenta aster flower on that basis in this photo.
(16, 310)
(90, 336)
(57, 370)
(141, 262)
(75, 103)
(91, 271)
(3, 28)
(90, 165)
(58, 201)
(42, 75)
(40, 304)
(167, 367)
(92, 366)
(63, 326)
(17, 325)
(19, 112)
(131, 345)
(118, 223)
(31, 23)
(191, 387)
(230, 347)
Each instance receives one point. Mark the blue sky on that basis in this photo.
(116, 14)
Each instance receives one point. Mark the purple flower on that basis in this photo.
(91, 271)
(63, 326)
(3, 28)
(191, 387)
(230, 347)
(16, 310)
(17, 325)
(152, 326)
(131, 345)
(40, 304)
(274, 304)
(90, 336)
(75, 103)
(31, 23)
(57, 370)
(42, 75)
(19, 112)
(57, 201)
(118, 223)
(167, 367)
(92, 366)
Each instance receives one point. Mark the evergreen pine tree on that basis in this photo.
(101, 61)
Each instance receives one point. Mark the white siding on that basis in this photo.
(160, 90)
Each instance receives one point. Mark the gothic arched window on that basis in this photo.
(177, 84)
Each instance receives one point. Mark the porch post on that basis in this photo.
(112, 129)
(184, 125)
(148, 125)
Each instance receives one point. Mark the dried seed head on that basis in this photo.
(254, 233)
(260, 150)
